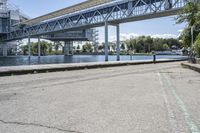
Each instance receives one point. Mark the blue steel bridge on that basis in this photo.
(91, 14)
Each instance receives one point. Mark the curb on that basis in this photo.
(33, 69)
(194, 67)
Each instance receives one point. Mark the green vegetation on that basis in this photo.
(197, 46)
(143, 45)
(45, 47)
(147, 44)
(190, 14)
(87, 48)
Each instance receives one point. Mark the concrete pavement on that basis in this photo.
(160, 98)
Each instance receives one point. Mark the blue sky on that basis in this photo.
(161, 27)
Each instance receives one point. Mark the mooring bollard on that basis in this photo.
(154, 57)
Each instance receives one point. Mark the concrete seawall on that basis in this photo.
(31, 69)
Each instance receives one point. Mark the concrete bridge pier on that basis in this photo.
(106, 41)
(29, 47)
(68, 48)
(118, 42)
(5, 50)
(39, 47)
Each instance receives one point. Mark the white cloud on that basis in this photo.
(164, 36)
(124, 37)
(181, 30)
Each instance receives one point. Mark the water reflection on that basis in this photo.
(25, 60)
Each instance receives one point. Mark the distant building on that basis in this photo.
(9, 15)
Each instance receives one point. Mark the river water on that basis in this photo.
(56, 59)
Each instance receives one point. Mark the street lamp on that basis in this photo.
(192, 58)
(192, 36)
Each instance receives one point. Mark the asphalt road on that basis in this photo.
(161, 98)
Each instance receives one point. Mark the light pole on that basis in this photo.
(192, 36)
(192, 43)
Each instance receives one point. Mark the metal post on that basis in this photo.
(192, 56)
(118, 42)
(192, 36)
(29, 47)
(39, 50)
(106, 41)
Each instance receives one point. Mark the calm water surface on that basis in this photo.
(56, 59)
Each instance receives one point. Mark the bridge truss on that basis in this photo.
(112, 13)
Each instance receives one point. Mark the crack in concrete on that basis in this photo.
(38, 125)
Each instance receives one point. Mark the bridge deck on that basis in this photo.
(78, 7)
(117, 12)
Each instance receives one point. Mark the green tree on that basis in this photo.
(44, 47)
(50, 49)
(131, 43)
(78, 47)
(122, 46)
(190, 14)
(197, 46)
(148, 44)
(57, 46)
(24, 49)
(87, 47)
(100, 47)
(165, 47)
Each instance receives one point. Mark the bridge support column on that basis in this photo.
(168, 4)
(68, 48)
(29, 47)
(118, 42)
(5, 50)
(106, 41)
(39, 48)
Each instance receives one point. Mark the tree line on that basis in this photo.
(46, 48)
(142, 44)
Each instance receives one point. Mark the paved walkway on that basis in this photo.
(160, 98)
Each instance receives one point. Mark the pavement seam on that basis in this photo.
(187, 116)
(38, 125)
